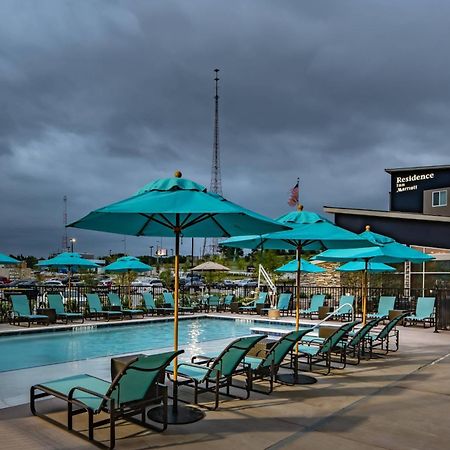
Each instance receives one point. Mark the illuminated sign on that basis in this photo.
(410, 183)
(161, 252)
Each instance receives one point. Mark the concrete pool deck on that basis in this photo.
(396, 402)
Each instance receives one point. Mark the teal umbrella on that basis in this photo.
(360, 266)
(176, 207)
(127, 264)
(305, 266)
(5, 259)
(385, 250)
(309, 232)
(70, 261)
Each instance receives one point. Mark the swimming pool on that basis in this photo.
(40, 349)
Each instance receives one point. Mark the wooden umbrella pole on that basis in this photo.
(297, 293)
(364, 302)
(176, 295)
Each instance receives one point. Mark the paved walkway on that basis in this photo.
(395, 402)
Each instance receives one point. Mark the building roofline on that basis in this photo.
(408, 169)
(388, 214)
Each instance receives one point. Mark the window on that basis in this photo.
(439, 198)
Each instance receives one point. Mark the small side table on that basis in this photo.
(117, 364)
(273, 313)
(49, 312)
(393, 313)
(323, 312)
(234, 307)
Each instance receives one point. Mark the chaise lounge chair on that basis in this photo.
(96, 309)
(213, 301)
(385, 305)
(383, 337)
(150, 305)
(134, 389)
(210, 374)
(268, 365)
(424, 312)
(320, 350)
(317, 302)
(115, 302)
(169, 300)
(55, 301)
(227, 301)
(345, 309)
(284, 301)
(21, 311)
(255, 304)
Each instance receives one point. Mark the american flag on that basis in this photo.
(293, 199)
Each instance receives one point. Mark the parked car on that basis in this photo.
(107, 282)
(228, 284)
(52, 283)
(247, 283)
(195, 283)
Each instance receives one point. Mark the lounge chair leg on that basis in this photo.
(91, 425)
(69, 415)
(112, 426)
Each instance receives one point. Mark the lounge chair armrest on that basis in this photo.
(197, 366)
(88, 391)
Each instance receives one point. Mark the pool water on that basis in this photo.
(40, 349)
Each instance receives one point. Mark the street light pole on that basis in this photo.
(72, 241)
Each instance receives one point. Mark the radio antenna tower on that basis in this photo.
(216, 178)
(65, 241)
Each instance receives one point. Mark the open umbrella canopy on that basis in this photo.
(210, 266)
(360, 266)
(305, 266)
(67, 259)
(308, 230)
(5, 259)
(128, 264)
(168, 205)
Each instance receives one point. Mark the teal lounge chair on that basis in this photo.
(266, 365)
(115, 302)
(320, 350)
(21, 311)
(255, 304)
(169, 300)
(383, 338)
(96, 308)
(227, 301)
(206, 374)
(134, 389)
(345, 308)
(424, 312)
(317, 302)
(385, 305)
(55, 301)
(284, 301)
(214, 302)
(150, 305)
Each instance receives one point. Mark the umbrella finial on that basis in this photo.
(299, 207)
(367, 227)
(178, 174)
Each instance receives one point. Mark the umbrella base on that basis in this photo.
(291, 378)
(176, 416)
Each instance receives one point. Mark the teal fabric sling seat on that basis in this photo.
(255, 304)
(115, 302)
(55, 301)
(150, 305)
(213, 302)
(316, 351)
(133, 390)
(424, 312)
(227, 301)
(96, 308)
(21, 311)
(211, 374)
(169, 300)
(317, 301)
(384, 337)
(266, 364)
(345, 307)
(283, 304)
(385, 305)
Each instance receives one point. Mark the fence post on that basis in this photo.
(437, 308)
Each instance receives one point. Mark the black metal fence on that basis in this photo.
(405, 299)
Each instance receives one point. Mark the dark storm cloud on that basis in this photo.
(101, 97)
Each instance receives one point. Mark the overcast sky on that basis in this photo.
(100, 97)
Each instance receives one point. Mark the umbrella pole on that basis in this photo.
(364, 300)
(177, 414)
(295, 377)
